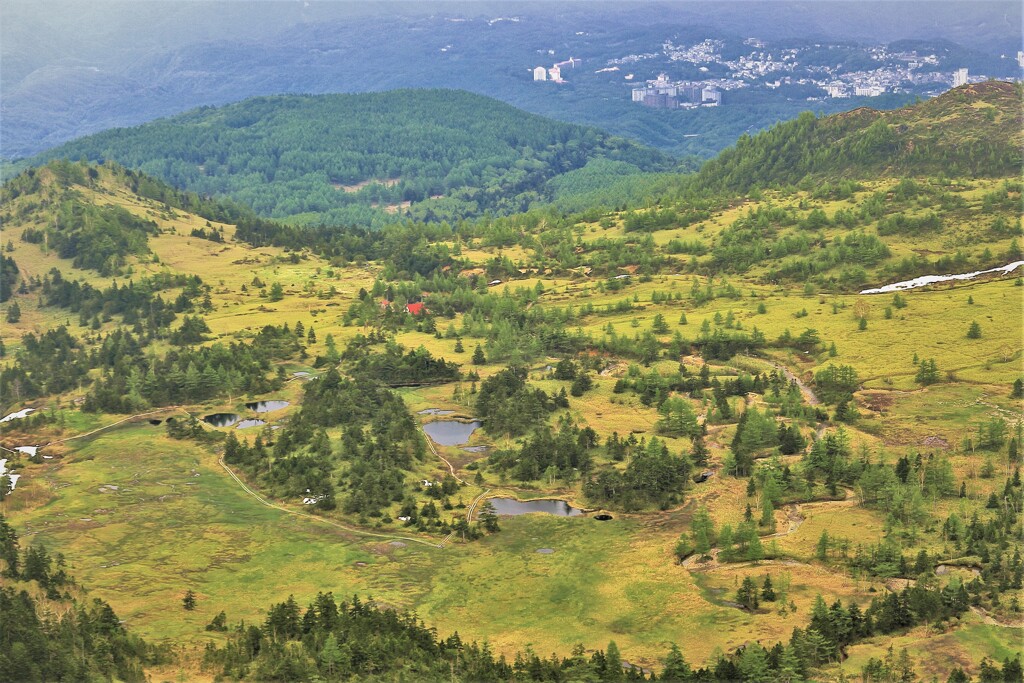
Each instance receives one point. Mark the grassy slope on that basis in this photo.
(166, 529)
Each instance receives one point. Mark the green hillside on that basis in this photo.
(368, 158)
(777, 472)
(974, 130)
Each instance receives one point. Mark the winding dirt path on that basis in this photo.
(808, 393)
(264, 501)
(430, 444)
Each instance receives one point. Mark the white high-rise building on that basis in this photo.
(540, 74)
(959, 77)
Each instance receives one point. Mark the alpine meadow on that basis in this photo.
(434, 384)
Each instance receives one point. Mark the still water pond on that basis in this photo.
(511, 506)
(266, 406)
(221, 419)
(451, 432)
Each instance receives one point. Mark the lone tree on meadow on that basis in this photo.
(478, 356)
(974, 331)
(189, 601)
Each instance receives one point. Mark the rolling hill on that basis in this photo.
(369, 158)
(974, 130)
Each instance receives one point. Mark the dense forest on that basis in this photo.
(343, 158)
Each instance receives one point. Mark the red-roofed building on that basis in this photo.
(416, 308)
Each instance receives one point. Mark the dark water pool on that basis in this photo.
(511, 506)
(245, 424)
(451, 432)
(221, 419)
(266, 406)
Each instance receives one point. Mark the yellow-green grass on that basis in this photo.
(176, 521)
(937, 652)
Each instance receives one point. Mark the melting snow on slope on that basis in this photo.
(13, 477)
(18, 415)
(932, 279)
(28, 450)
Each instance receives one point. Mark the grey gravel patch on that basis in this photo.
(545, 551)
(397, 544)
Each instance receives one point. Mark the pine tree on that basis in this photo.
(459, 348)
(189, 601)
(822, 550)
(767, 590)
(478, 356)
(974, 331)
(746, 595)
(676, 669)
(331, 656)
(613, 664)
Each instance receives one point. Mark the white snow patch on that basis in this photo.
(932, 279)
(18, 415)
(14, 480)
(28, 450)
(3, 466)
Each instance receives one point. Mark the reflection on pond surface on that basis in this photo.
(451, 432)
(511, 506)
(220, 419)
(245, 424)
(266, 406)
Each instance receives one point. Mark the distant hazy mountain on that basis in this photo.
(69, 69)
(367, 158)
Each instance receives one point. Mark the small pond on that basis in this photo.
(436, 411)
(511, 506)
(266, 406)
(451, 432)
(220, 419)
(245, 424)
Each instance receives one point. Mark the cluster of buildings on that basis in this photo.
(662, 93)
(809, 67)
(875, 83)
(555, 72)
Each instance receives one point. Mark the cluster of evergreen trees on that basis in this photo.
(130, 381)
(380, 443)
(52, 635)
(355, 638)
(138, 304)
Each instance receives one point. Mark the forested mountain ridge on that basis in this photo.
(367, 158)
(974, 130)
